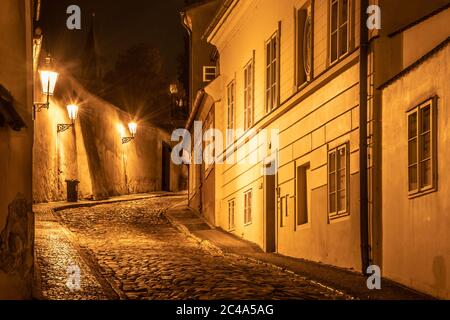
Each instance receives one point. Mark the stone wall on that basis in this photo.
(92, 151)
(16, 218)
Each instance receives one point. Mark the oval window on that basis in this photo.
(307, 46)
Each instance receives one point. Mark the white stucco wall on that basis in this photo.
(416, 232)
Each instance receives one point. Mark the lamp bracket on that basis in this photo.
(63, 127)
(38, 106)
(127, 139)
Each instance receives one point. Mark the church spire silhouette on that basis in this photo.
(90, 68)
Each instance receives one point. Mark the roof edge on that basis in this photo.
(227, 4)
(418, 21)
(421, 60)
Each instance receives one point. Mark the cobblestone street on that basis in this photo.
(129, 250)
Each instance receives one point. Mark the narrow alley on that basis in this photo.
(130, 250)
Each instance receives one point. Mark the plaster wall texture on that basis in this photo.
(311, 121)
(416, 231)
(92, 151)
(16, 218)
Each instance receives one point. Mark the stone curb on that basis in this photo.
(211, 247)
(100, 202)
(205, 244)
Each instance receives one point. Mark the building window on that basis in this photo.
(283, 210)
(231, 93)
(339, 29)
(209, 73)
(272, 73)
(209, 144)
(231, 205)
(248, 95)
(421, 148)
(248, 207)
(338, 176)
(304, 45)
(302, 195)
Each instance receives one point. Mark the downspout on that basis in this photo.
(363, 95)
(185, 24)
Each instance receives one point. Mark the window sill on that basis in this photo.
(338, 218)
(302, 86)
(304, 226)
(342, 57)
(418, 194)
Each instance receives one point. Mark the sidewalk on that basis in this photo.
(344, 281)
(63, 205)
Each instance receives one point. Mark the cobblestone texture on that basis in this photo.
(142, 256)
(55, 253)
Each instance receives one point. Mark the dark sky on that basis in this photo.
(119, 24)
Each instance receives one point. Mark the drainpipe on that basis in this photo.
(185, 24)
(363, 95)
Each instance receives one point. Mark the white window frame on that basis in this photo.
(340, 25)
(231, 215)
(422, 189)
(343, 212)
(272, 72)
(209, 73)
(249, 94)
(231, 110)
(248, 201)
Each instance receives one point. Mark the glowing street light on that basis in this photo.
(132, 126)
(48, 82)
(173, 88)
(72, 110)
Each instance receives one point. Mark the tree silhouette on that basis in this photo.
(138, 85)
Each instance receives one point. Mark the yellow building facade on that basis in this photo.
(295, 70)
(314, 107)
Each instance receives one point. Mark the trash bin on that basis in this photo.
(72, 190)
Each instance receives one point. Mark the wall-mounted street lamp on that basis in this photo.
(132, 126)
(72, 110)
(48, 82)
(173, 88)
(177, 99)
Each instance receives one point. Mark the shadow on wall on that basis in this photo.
(94, 153)
(97, 176)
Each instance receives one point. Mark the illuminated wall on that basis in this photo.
(16, 218)
(416, 241)
(92, 151)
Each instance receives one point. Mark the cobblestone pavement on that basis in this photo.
(142, 256)
(56, 256)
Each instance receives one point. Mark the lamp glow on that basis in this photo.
(48, 81)
(72, 110)
(132, 126)
(173, 88)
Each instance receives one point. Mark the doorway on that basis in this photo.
(269, 211)
(166, 152)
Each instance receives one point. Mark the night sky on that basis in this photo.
(119, 24)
